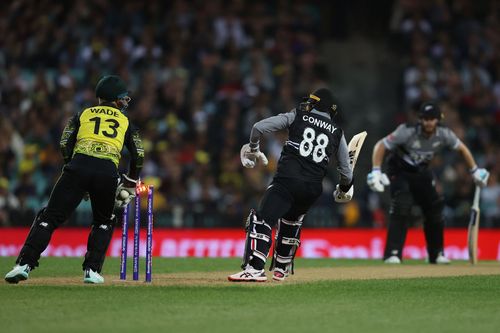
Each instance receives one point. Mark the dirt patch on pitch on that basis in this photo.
(394, 272)
(302, 275)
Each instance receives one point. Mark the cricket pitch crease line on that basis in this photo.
(302, 275)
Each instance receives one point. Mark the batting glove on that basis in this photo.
(341, 196)
(250, 156)
(480, 176)
(125, 191)
(377, 180)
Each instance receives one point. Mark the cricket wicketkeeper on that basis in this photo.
(91, 146)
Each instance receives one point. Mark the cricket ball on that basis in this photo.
(124, 194)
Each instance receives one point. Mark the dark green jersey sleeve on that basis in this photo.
(68, 138)
(134, 145)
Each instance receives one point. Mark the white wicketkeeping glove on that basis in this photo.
(340, 196)
(480, 176)
(377, 180)
(250, 156)
(125, 191)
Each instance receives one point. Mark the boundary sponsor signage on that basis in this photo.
(315, 243)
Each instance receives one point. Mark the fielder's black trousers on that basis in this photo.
(83, 174)
(407, 189)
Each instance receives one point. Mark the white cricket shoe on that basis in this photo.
(393, 260)
(442, 260)
(89, 276)
(250, 274)
(280, 274)
(18, 273)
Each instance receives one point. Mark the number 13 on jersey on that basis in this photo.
(112, 125)
(103, 124)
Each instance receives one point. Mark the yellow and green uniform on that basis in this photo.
(91, 145)
(102, 131)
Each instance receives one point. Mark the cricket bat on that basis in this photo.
(474, 227)
(354, 147)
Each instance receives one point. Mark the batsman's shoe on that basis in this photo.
(250, 274)
(89, 276)
(393, 260)
(18, 273)
(280, 274)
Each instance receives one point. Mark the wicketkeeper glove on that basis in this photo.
(480, 176)
(340, 196)
(377, 180)
(249, 156)
(125, 191)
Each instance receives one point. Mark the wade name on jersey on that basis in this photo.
(107, 111)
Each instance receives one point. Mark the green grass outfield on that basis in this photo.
(438, 304)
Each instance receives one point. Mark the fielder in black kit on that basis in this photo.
(313, 141)
(412, 147)
(91, 146)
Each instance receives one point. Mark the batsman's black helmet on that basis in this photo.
(430, 110)
(111, 88)
(323, 100)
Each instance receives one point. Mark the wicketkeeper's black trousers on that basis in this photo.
(84, 174)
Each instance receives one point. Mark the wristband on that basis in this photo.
(254, 147)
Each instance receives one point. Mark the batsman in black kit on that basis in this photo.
(313, 140)
(412, 147)
(91, 146)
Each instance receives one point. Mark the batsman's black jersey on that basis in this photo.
(313, 139)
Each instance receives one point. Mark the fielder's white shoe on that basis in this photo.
(442, 260)
(280, 274)
(89, 276)
(250, 274)
(18, 273)
(393, 260)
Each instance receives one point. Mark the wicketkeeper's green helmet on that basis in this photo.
(111, 88)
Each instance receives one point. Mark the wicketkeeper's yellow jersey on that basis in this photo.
(102, 131)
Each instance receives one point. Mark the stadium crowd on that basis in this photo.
(200, 73)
